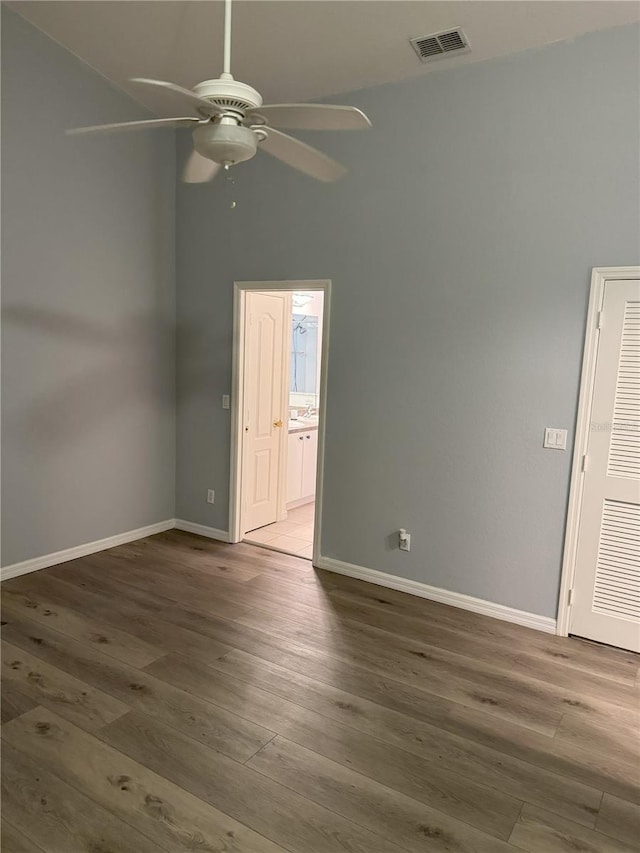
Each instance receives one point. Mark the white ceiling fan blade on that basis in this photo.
(301, 156)
(310, 117)
(147, 124)
(198, 169)
(200, 105)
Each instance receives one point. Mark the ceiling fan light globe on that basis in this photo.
(225, 143)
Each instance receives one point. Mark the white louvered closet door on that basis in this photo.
(606, 604)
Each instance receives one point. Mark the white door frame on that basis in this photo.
(599, 277)
(240, 288)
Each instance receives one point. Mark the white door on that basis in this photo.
(606, 596)
(265, 410)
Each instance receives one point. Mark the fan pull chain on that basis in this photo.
(231, 182)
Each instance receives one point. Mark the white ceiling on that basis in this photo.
(295, 50)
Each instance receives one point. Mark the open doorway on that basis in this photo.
(280, 350)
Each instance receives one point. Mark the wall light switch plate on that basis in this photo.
(225, 401)
(555, 439)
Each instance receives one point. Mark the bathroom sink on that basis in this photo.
(303, 423)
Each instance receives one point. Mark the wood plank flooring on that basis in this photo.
(177, 694)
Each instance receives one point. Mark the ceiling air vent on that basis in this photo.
(440, 44)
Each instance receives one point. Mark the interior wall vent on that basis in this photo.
(441, 44)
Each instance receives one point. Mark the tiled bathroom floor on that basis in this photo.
(295, 535)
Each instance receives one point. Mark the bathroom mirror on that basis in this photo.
(304, 354)
(305, 350)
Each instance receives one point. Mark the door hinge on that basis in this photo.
(585, 460)
(570, 597)
(599, 326)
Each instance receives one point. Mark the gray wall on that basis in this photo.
(88, 335)
(460, 247)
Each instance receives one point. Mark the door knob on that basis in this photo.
(277, 423)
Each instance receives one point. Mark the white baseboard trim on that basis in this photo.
(455, 599)
(48, 560)
(444, 596)
(202, 530)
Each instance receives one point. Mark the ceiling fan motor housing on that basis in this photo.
(225, 143)
(230, 94)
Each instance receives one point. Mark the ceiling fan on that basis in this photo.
(233, 123)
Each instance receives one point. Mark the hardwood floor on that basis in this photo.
(178, 694)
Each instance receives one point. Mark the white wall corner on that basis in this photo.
(202, 530)
(443, 596)
(78, 551)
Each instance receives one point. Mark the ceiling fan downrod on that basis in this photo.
(226, 67)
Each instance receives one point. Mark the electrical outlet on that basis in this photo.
(225, 401)
(404, 540)
(211, 495)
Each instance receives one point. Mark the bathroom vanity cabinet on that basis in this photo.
(302, 455)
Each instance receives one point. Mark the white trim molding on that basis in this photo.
(444, 596)
(599, 277)
(422, 590)
(201, 530)
(47, 560)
